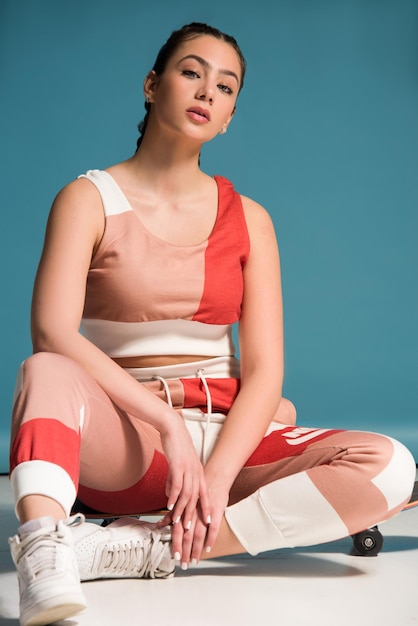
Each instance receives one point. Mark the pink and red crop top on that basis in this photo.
(146, 296)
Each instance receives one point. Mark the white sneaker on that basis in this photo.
(126, 548)
(49, 581)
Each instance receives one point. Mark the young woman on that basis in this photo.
(146, 406)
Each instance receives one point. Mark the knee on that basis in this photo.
(286, 413)
(47, 368)
(47, 361)
(396, 480)
(50, 385)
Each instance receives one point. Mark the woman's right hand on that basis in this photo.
(186, 484)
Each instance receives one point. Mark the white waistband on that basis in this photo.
(162, 337)
(218, 367)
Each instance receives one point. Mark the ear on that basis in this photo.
(228, 121)
(150, 85)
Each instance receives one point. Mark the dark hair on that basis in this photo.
(178, 37)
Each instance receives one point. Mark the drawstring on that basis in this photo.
(200, 374)
(166, 389)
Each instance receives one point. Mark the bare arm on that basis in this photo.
(261, 355)
(261, 352)
(74, 230)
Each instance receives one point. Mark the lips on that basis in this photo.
(199, 112)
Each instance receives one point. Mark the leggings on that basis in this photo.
(301, 486)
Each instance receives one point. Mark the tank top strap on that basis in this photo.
(114, 201)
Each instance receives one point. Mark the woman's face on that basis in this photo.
(197, 92)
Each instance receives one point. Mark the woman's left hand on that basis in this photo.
(188, 545)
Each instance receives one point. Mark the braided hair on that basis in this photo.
(178, 37)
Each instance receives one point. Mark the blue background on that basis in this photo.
(325, 136)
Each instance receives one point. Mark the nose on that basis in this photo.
(205, 93)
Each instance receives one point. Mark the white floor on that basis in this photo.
(318, 586)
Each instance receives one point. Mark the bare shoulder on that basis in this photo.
(78, 208)
(257, 217)
(78, 193)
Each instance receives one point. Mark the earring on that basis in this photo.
(223, 130)
(147, 99)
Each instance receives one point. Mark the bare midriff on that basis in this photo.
(158, 360)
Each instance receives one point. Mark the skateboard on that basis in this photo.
(369, 542)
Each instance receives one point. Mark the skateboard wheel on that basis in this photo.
(368, 542)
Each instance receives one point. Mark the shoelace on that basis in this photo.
(200, 373)
(46, 543)
(139, 558)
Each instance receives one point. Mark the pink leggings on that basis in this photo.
(301, 486)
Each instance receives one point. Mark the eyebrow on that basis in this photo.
(208, 65)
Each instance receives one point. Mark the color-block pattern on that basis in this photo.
(137, 277)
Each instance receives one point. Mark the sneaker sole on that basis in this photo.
(43, 613)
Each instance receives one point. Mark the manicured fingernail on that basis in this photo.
(177, 556)
(208, 519)
(176, 521)
(208, 549)
(194, 561)
(184, 566)
(189, 525)
(170, 507)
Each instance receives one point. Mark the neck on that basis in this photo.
(168, 164)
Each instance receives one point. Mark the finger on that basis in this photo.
(168, 484)
(174, 487)
(183, 500)
(212, 534)
(190, 510)
(198, 541)
(177, 541)
(204, 502)
(165, 521)
(188, 537)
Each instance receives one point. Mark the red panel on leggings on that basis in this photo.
(45, 439)
(148, 494)
(276, 446)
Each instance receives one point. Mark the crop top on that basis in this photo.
(145, 296)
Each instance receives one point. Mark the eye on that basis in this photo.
(226, 89)
(190, 74)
